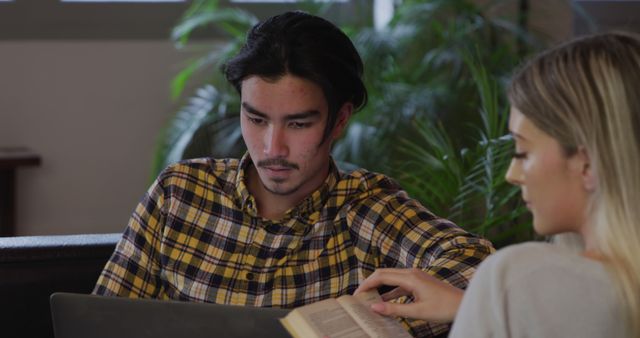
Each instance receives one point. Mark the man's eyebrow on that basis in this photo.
(253, 110)
(297, 116)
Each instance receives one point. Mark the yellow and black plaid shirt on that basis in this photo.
(197, 236)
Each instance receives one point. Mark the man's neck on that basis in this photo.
(273, 206)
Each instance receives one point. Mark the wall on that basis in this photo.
(550, 20)
(93, 111)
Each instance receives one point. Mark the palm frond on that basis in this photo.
(436, 119)
(234, 21)
(212, 61)
(177, 134)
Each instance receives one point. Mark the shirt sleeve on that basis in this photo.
(412, 237)
(133, 269)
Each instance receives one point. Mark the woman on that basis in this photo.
(575, 119)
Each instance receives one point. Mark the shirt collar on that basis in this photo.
(309, 206)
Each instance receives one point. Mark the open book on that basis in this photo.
(343, 317)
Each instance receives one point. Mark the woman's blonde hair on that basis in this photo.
(586, 93)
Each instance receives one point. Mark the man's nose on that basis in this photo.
(275, 145)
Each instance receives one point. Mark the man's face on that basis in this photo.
(283, 125)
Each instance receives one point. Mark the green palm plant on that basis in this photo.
(207, 124)
(412, 67)
(468, 183)
(415, 71)
(422, 124)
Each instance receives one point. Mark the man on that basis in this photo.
(282, 226)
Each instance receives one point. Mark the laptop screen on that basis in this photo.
(81, 316)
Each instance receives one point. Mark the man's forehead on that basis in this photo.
(288, 95)
(289, 81)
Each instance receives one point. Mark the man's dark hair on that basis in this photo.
(308, 47)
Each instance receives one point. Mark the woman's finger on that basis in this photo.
(410, 310)
(392, 277)
(395, 293)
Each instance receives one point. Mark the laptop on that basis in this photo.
(80, 316)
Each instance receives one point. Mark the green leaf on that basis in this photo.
(437, 114)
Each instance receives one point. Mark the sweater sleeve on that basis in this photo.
(482, 311)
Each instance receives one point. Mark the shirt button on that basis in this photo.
(249, 276)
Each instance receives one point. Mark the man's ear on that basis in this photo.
(587, 171)
(342, 119)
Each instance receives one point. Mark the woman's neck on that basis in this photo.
(591, 249)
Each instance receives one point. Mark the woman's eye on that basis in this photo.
(519, 155)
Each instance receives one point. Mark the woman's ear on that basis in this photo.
(587, 171)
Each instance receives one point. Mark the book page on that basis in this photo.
(323, 319)
(376, 325)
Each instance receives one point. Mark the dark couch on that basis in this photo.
(34, 267)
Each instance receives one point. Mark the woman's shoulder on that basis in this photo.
(542, 290)
(538, 254)
(537, 263)
(529, 249)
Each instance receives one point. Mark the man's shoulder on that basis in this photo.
(364, 182)
(222, 171)
(370, 190)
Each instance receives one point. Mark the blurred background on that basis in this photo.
(97, 96)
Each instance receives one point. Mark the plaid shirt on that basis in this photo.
(197, 236)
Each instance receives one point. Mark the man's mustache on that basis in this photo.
(277, 162)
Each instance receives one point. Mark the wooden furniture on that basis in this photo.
(10, 160)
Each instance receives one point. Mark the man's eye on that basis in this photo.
(255, 120)
(299, 125)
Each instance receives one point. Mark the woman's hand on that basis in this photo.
(434, 300)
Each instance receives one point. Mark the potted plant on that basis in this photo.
(436, 119)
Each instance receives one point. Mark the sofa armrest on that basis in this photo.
(34, 267)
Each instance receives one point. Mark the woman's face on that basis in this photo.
(552, 183)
